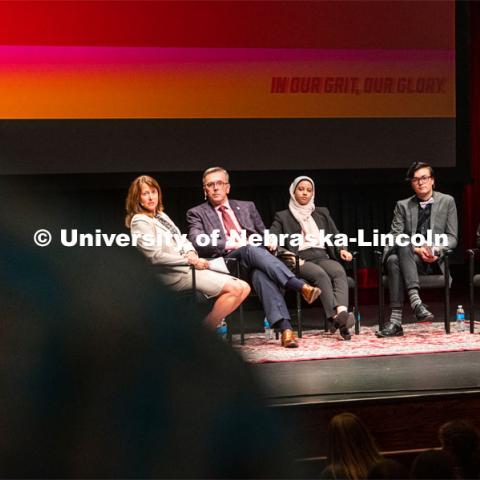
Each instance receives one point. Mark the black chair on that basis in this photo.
(191, 294)
(473, 282)
(234, 268)
(426, 282)
(201, 302)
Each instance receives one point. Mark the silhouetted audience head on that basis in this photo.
(351, 448)
(387, 469)
(432, 464)
(461, 441)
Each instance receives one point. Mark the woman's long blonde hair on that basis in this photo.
(132, 203)
(352, 451)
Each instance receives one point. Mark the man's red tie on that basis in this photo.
(227, 220)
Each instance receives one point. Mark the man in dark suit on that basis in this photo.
(267, 274)
(426, 210)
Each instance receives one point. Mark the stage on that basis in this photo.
(403, 399)
(376, 378)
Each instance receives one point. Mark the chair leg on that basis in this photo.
(299, 315)
(240, 308)
(242, 324)
(381, 312)
(355, 296)
(471, 266)
(447, 295)
(298, 298)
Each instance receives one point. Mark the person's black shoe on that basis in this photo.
(345, 333)
(332, 326)
(344, 319)
(390, 330)
(422, 314)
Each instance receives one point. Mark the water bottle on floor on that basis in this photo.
(222, 330)
(268, 330)
(460, 319)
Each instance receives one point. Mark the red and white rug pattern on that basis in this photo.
(319, 345)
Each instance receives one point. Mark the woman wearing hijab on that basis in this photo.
(318, 261)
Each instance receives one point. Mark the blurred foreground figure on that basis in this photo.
(104, 375)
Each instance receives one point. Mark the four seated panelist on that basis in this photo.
(228, 222)
(159, 239)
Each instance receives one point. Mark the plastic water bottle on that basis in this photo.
(268, 330)
(222, 330)
(460, 319)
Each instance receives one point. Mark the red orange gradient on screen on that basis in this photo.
(131, 59)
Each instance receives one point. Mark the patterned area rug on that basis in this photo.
(319, 345)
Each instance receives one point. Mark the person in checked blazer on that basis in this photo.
(425, 210)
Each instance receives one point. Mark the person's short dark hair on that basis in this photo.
(417, 166)
(387, 468)
(432, 464)
(459, 436)
(461, 440)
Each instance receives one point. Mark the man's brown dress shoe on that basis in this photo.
(288, 339)
(309, 293)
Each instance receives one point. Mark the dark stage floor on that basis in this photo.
(323, 381)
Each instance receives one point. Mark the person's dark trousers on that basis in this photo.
(327, 274)
(268, 275)
(403, 269)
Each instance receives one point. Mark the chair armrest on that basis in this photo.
(471, 263)
(236, 263)
(291, 260)
(352, 265)
(472, 252)
(192, 269)
(159, 265)
(378, 257)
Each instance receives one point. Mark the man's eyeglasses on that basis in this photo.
(218, 184)
(421, 179)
